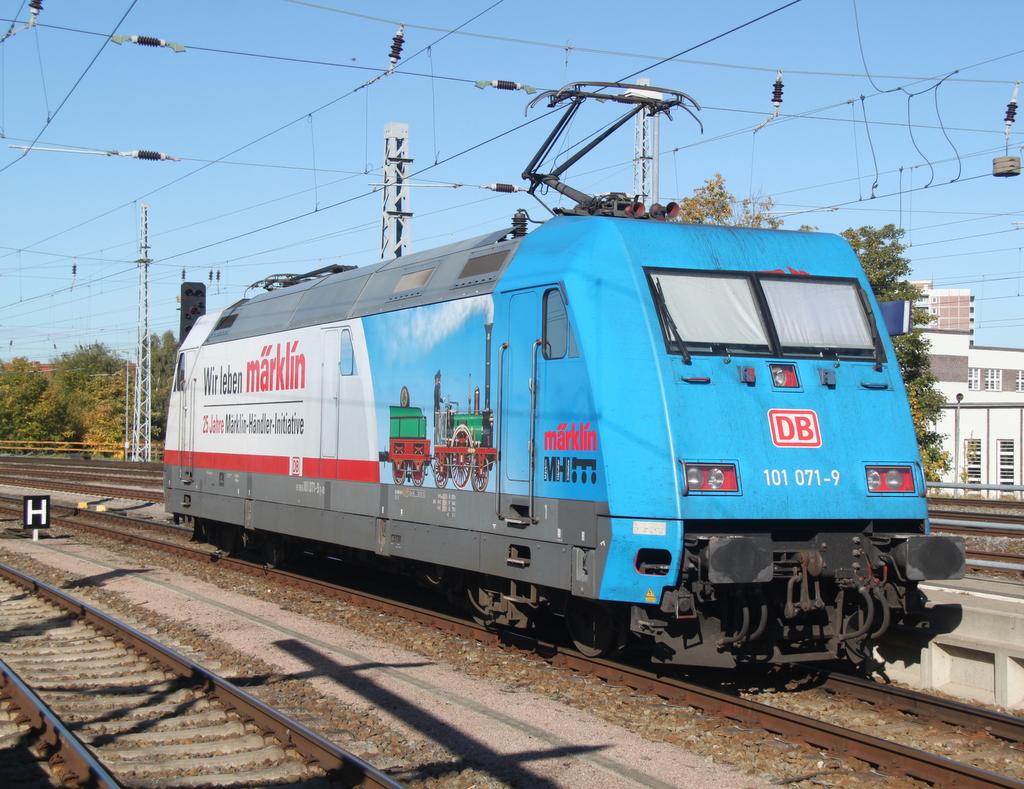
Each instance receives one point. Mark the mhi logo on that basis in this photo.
(794, 428)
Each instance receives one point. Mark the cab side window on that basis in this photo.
(179, 374)
(347, 365)
(558, 338)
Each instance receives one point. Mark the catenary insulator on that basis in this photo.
(36, 6)
(396, 46)
(147, 41)
(152, 155)
(777, 92)
(506, 188)
(1011, 111)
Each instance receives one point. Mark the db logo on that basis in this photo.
(296, 467)
(794, 428)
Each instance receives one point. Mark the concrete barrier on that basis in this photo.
(971, 646)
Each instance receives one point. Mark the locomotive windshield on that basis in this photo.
(763, 314)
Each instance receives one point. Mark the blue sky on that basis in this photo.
(279, 136)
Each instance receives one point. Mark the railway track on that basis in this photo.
(148, 716)
(955, 721)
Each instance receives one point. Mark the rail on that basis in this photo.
(62, 748)
(340, 764)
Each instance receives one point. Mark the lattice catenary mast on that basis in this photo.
(394, 236)
(142, 419)
(646, 132)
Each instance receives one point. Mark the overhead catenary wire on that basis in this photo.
(235, 163)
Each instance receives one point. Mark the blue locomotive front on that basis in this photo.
(725, 399)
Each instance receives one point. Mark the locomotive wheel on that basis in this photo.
(477, 597)
(275, 552)
(480, 474)
(417, 475)
(590, 627)
(398, 470)
(199, 530)
(440, 471)
(228, 538)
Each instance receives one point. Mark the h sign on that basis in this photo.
(793, 428)
(37, 512)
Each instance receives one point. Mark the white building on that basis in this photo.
(983, 420)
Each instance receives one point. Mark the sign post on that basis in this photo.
(37, 514)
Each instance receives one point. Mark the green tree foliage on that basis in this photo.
(713, 204)
(87, 390)
(83, 395)
(881, 255)
(163, 350)
(23, 390)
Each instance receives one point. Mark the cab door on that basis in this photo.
(185, 385)
(330, 393)
(516, 417)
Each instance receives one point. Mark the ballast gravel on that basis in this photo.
(510, 735)
(431, 710)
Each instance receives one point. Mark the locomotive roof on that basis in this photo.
(454, 271)
(474, 266)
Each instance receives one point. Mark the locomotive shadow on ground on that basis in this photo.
(471, 751)
(101, 578)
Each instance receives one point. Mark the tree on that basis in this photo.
(86, 397)
(881, 256)
(22, 389)
(163, 350)
(713, 204)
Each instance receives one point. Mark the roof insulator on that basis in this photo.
(519, 224)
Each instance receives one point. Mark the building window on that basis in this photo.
(973, 378)
(1020, 380)
(993, 380)
(972, 460)
(1007, 461)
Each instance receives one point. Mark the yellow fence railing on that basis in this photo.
(107, 450)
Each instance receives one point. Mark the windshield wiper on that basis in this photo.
(666, 316)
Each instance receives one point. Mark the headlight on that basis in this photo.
(712, 478)
(890, 479)
(784, 376)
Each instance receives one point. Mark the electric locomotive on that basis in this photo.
(693, 437)
(690, 439)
